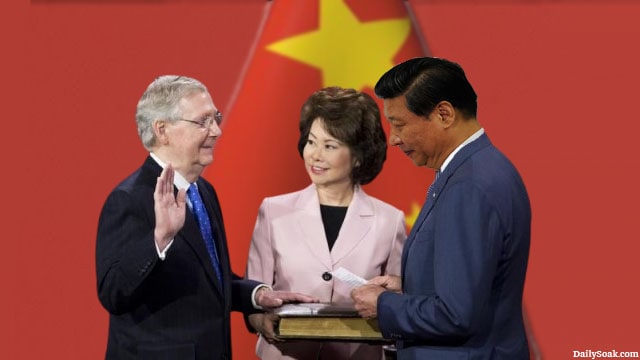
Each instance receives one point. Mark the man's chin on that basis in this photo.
(417, 162)
(203, 163)
(206, 158)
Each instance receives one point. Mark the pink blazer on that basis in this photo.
(289, 251)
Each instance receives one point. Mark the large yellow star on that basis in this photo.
(349, 53)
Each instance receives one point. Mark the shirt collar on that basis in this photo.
(178, 180)
(471, 138)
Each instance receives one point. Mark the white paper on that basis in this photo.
(348, 277)
(316, 309)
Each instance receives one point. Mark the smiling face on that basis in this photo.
(422, 140)
(327, 160)
(185, 145)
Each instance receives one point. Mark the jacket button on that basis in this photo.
(326, 276)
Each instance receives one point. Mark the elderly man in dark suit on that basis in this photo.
(464, 263)
(162, 261)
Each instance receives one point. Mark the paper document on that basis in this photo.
(348, 277)
(316, 309)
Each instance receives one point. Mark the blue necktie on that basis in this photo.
(205, 227)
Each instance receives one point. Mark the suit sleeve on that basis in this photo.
(260, 265)
(125, 252)
(466, 233)
(241, 291)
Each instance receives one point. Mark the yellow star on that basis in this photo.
(349, 53)
(412, 216)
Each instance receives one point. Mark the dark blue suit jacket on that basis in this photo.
(171, 309)
(464, 264)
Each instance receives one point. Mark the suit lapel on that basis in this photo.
(190, 234)
(309, 222)
(356, 225)
(424, 212)
(213, 210)
(438, 187)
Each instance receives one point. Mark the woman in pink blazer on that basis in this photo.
(301, 237)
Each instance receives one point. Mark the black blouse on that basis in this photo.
(332, 219)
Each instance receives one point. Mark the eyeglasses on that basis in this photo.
(205, 123)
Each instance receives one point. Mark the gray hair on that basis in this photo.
(160, 102)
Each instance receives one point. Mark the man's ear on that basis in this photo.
(446, 113)
(160, 131)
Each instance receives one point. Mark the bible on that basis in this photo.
(322, 321)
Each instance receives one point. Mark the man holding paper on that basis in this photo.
(465, 261)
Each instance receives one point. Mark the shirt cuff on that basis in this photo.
(163, 254)
(255, 291)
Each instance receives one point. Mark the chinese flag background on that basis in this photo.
(556, 82)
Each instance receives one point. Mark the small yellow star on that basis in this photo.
(349, 53)
(412, 216)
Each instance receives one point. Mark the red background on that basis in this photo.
(556, 82)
